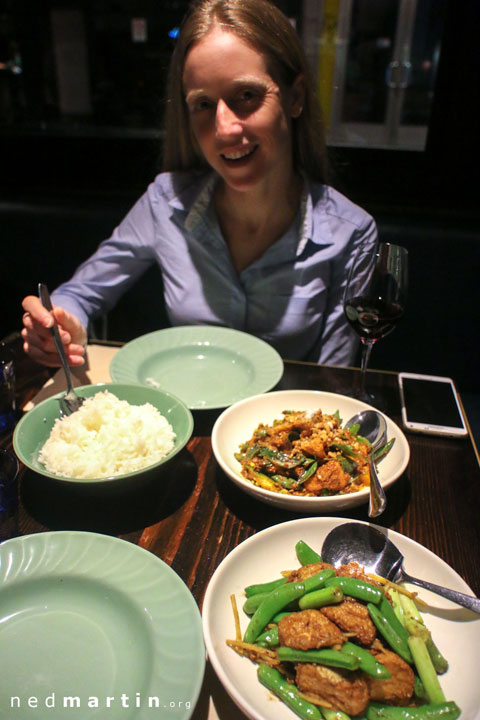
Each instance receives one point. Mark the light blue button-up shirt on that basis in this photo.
(291, 297)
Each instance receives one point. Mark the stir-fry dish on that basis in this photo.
(337, 643)
(308, 454)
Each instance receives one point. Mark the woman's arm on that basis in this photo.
(94, 288)
(100, 281)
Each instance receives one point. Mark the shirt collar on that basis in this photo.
(196, 205)
(306, 222)
(199, 209)
(315, 225)
(194, 199)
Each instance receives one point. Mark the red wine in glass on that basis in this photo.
(375, 297)
(372, 318)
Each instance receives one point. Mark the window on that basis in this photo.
(376, 62)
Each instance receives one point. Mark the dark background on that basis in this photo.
(64, 186)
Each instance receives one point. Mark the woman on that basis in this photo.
(245, 231)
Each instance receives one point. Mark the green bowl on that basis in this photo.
(34, 428)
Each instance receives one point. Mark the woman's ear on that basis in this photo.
(297, 96)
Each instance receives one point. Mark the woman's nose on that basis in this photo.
(226, 121)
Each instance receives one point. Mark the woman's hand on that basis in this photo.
(38, 341)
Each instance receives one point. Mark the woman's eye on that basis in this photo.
(199, 105)
(248, 100)
(250, 96)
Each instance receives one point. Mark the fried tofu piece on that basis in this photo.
(352, 617)
(398, 689)
(308, 630)
(353, 569)
(329, 476)
(307, 571)
(340, 689)
(313, 446)
(292, 424)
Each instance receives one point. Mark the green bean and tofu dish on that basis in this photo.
(308, 454)
(338, 643)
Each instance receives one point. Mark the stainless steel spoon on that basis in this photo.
(369, 547)
(374, 428)
(70, 402)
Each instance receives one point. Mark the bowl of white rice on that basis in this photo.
(121, 431)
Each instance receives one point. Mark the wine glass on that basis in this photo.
(375, 297)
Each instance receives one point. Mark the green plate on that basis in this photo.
(206, 367)
(95, 627)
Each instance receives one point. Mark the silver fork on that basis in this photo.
(70, 402)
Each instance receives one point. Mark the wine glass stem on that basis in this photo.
(366, 350)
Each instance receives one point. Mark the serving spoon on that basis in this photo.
(370, 548)
(70, 402)
(374, 428)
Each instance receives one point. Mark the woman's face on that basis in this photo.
(239, 115)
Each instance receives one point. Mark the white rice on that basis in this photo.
(106, 437)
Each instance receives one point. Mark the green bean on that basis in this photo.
(367, 661)
(276, 618)
(305, 554)
(261, 478)
(317, 581)
(308, 473)
(346, 450)
(396, 642)
(269, 638)
(357, 588)
(426, 670)
(383, 451)
(283, 480)
(288, 693)
(334, 714)
(418, 689)
(264, 587)
(353, 429)
(348, 465)
(253, 602)
(320, 598)
(433, 711)
(387, 610)
(440, 663)
(278, 458)
(277, 600)
(312, 583)
(325, 656)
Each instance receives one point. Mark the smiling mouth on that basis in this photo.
(239, 154)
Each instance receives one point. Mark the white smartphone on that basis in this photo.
(430, 405)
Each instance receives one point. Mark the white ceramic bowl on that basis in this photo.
(262, 558)
(236, 425)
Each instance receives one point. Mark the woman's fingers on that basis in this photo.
(39, 351)
(38, 340)
(74, 331)
(35, 314)
(44, 351)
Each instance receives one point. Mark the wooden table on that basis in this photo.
(196, 516)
